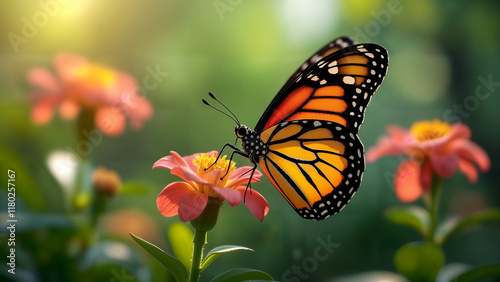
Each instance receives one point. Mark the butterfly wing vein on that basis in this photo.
(312, 168)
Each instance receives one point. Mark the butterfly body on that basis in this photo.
(306, 141)
(251, 143)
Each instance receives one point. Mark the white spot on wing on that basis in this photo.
(333, 70)
(348, 80)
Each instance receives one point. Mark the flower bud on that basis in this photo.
(106, 182)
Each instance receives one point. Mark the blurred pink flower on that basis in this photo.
(433, 147)
(111, 95)
(189, 199)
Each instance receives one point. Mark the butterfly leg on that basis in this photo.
(218, 156)
(249, 182)
(235, 150)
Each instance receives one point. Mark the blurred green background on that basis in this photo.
(243, 51)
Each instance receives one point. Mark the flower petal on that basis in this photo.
(171, 161)
(470, 151)
(43, 111)
(444, 165)
(168, 199)
(44, 79)
(140, 109)
(407, 184)
(241, 176)
(69, 109)
(175, 159)
(386, 146)
(68, 66)
(189, 159)
(187, 174)
(398, 133)
(191, 205)
(181, 166)
(460, 130)
(468, 169)
(432, 145)
(255, 202)
(110, 121)
(232, 196)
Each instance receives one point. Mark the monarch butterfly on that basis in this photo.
(306, 141)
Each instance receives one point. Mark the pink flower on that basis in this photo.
(189, 199)
(433, 147)
(109, 94)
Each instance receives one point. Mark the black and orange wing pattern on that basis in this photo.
(316, 165)
(328, 49)
(314, 156)
(336, 88)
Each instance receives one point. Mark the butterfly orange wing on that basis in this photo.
(315, 158)
(336, 88)
(316, 165)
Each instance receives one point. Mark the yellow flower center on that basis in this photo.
(427, 130)
(205, 161)
(96, 75)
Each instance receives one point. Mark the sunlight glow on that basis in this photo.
(309, 20)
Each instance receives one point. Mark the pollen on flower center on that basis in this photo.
(96, 75)
(427, 130)
(204, 161)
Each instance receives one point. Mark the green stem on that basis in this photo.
(433, 206)
(86, 124)
(84, 150)
(98, 207)
(200, 239)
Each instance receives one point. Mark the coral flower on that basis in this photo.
(110, 95)
(189, 199)
(433, 147)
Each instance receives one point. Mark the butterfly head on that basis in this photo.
(251, 142)
(241, 131)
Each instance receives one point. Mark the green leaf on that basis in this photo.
(216, 252)
(181, 239)
(485, 271)
(242, 274)
(415, 217)
(174, 266)
(33, 198)
(419, 261)
(453, 225)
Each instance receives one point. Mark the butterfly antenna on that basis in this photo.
(226, 114)
(213, 97)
